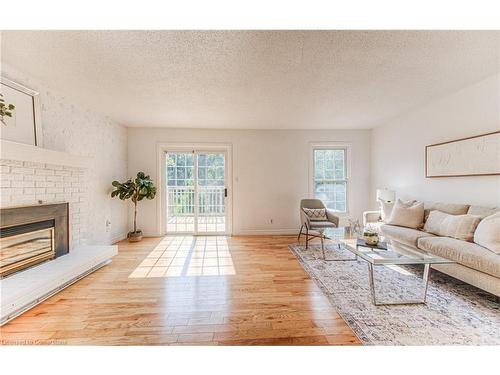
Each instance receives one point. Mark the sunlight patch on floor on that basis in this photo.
(187, 256)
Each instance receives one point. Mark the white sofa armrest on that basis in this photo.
(371, 217)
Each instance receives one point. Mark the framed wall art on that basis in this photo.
(478, 155)
(24, 125)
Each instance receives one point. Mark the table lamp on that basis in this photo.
(385, 198)
(386, 195)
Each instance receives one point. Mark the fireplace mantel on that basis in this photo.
(22, 152)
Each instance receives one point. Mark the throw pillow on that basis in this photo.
(385, 210)
(315, 214)
(407, 214)
(461, 227)
(448, 208)
(487, 233)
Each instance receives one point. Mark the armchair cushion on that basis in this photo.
(322, 224)
(315, 214)
(313, 205)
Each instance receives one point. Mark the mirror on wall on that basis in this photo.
(23, 124)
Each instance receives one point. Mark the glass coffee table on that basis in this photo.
(392, 256)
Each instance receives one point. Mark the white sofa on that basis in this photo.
(474, 264)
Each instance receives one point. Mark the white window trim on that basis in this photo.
(348, 163)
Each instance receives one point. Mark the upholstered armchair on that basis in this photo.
(332, 221)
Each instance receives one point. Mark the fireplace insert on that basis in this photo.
(25, 245)
(32, 235)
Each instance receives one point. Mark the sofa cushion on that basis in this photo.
(406, 236)
(465, 253)
(449, 208)
(487, 233)
(482, 211)
(461, 227)
(407, 214)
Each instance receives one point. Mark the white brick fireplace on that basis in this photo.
(32, 175)
(54, 177)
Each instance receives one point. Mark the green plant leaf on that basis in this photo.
(135, 190)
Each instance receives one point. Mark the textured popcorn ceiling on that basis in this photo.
(253, 79)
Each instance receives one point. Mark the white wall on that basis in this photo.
(398, 147)
(270, 172)
(76, 130)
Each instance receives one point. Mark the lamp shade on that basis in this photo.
(386, 195)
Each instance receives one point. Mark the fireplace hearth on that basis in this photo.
(31, 235)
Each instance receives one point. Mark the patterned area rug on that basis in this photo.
(455, 314)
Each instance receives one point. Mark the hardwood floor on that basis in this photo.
(189, 291)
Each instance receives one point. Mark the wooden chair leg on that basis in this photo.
(307, 237)
(298, 238)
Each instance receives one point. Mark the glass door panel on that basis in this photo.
(180, 193)
(211, 177)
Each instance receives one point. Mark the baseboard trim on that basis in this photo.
(118, 238)
(244, 232)
(266, 232)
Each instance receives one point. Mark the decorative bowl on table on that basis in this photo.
(371, 237)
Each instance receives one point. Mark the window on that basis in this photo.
(330, 177)
(180, 169)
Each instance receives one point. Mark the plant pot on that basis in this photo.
(134, 236)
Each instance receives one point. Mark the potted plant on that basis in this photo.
(138, 189)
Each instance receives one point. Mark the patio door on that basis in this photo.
(196, 192)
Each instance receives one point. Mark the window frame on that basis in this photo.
(347, 165)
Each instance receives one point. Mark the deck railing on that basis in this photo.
(181, 200)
